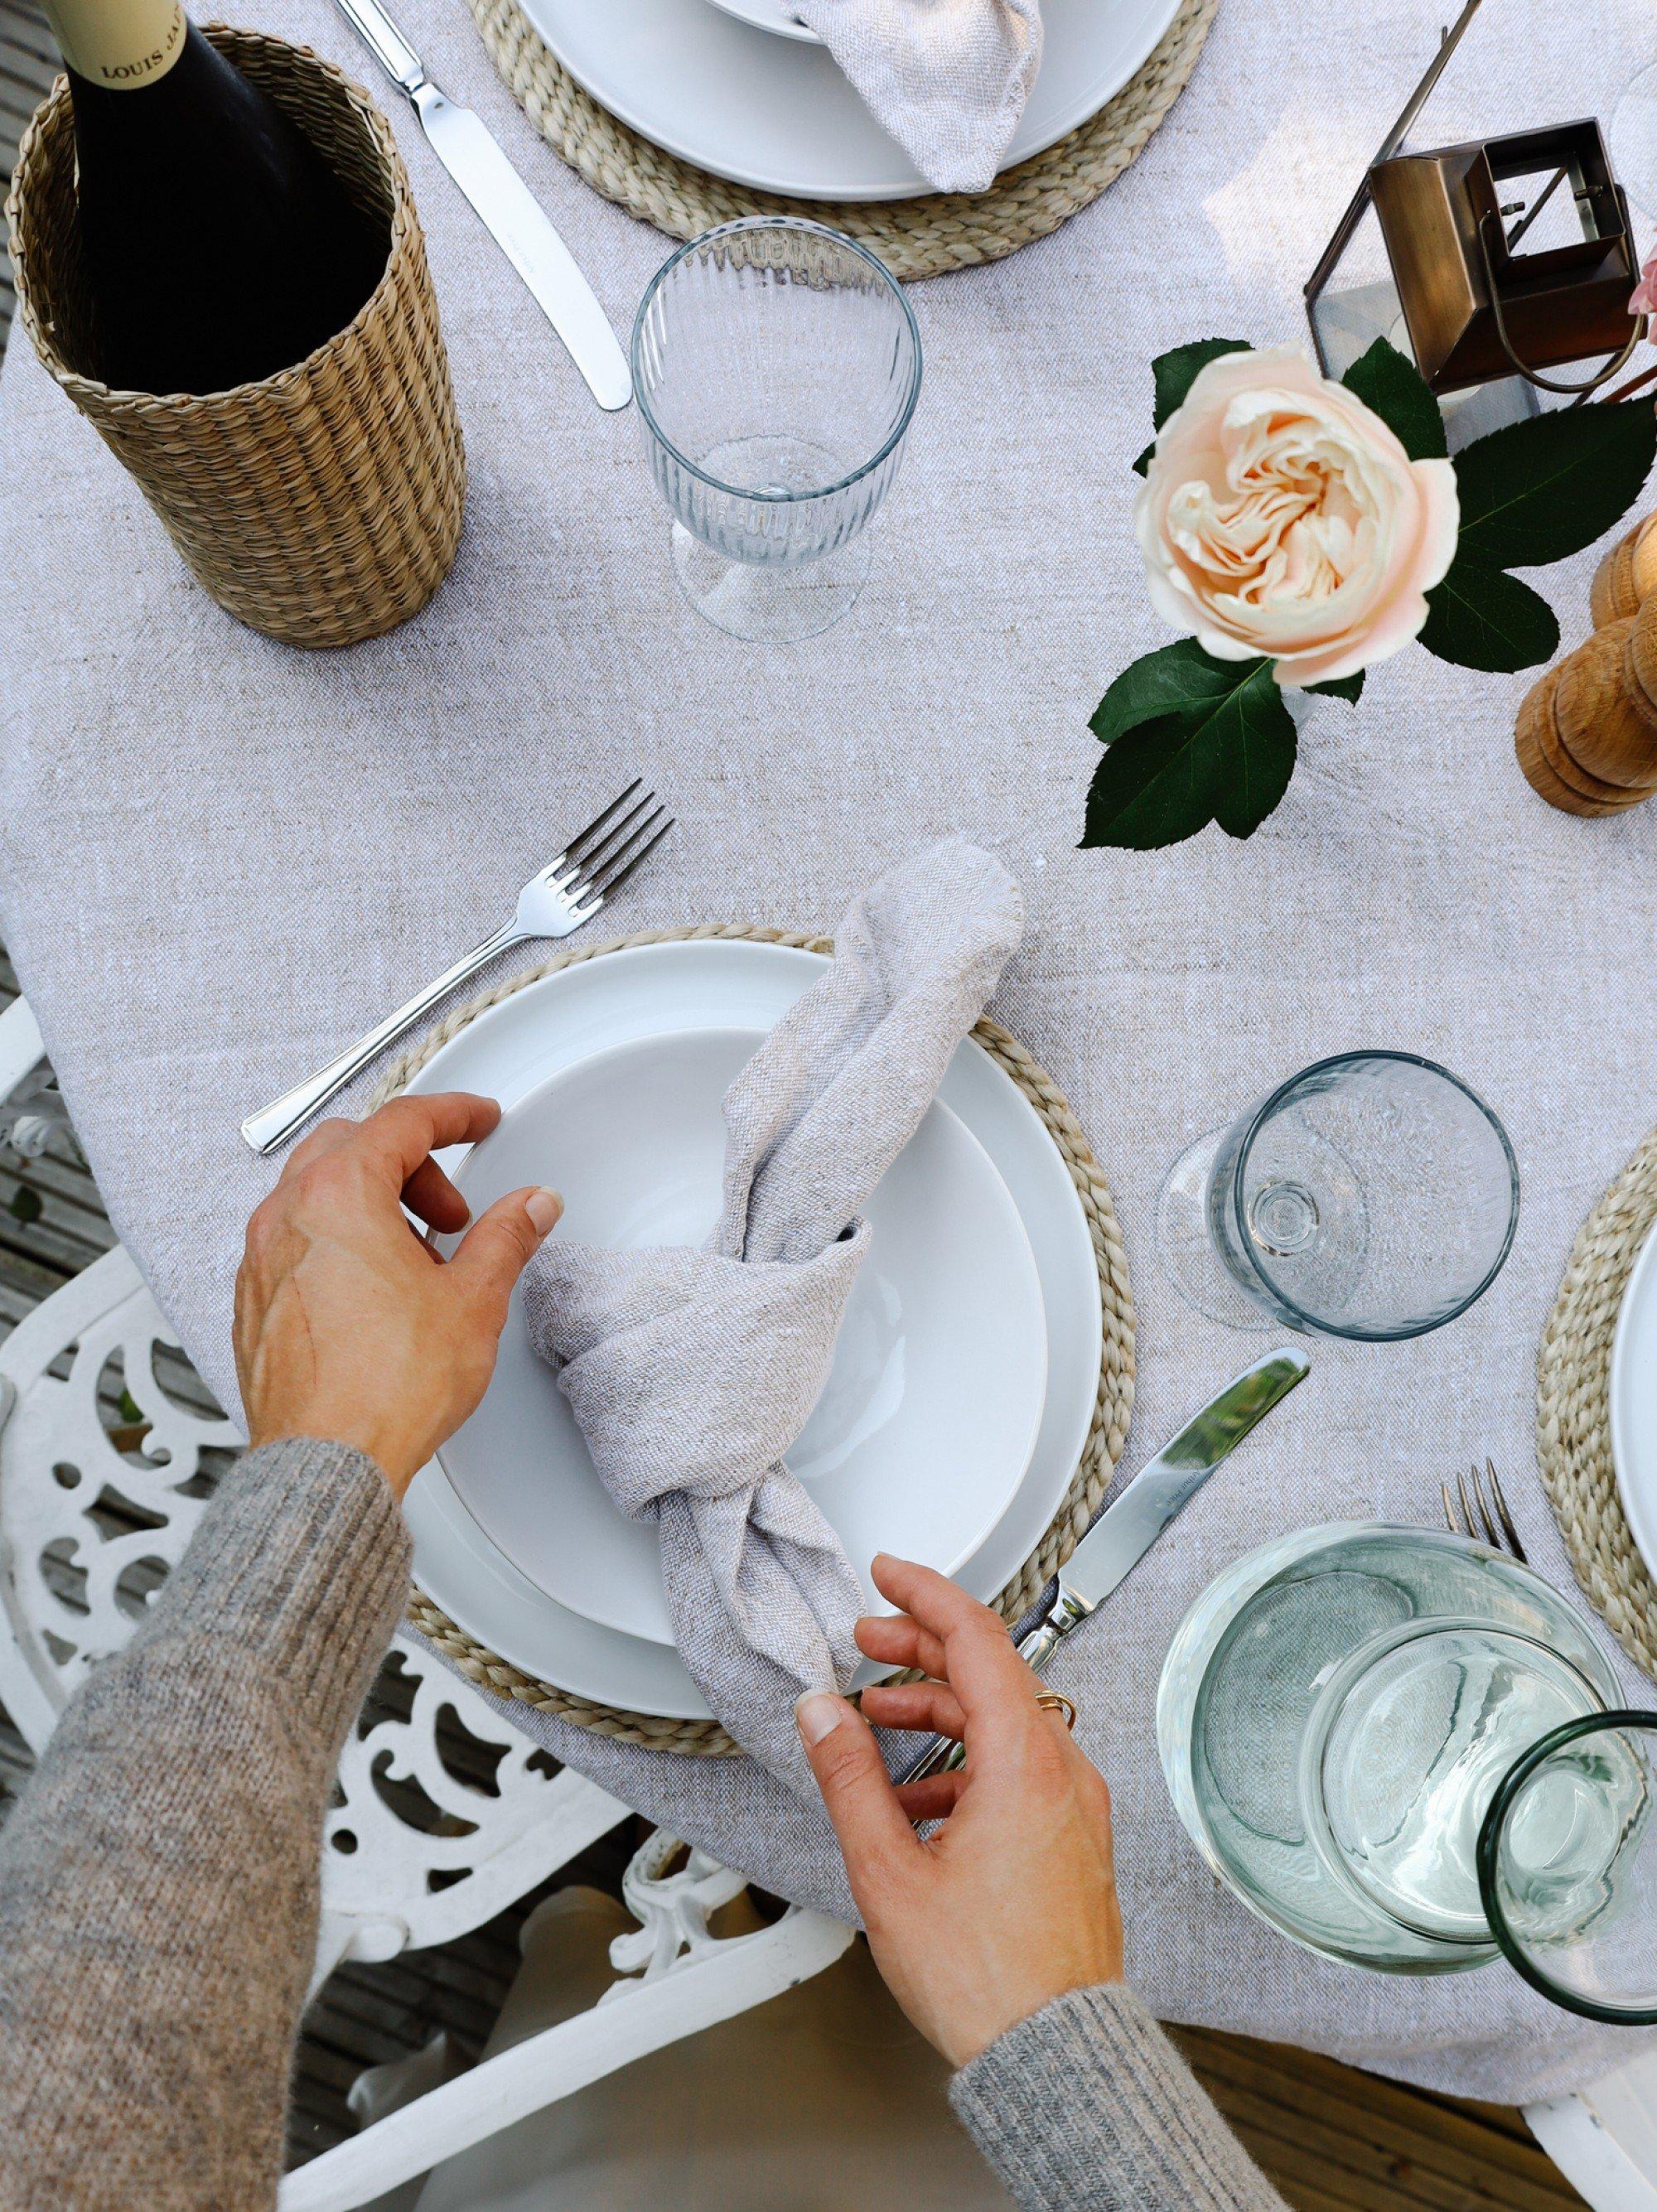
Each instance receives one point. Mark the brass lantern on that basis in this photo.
(1432, 255)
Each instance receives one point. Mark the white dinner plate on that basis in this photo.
(776, 15)
(930, 1413)
(777, 114)
(512, 1048)
(1634, 1402)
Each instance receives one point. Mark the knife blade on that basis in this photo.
(1131, 1522)
(506, 208)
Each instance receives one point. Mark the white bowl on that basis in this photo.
(928, 1420)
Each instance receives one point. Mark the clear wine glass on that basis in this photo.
(777, 365)
(1371, 1196)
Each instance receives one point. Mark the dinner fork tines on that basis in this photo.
(1486, 1519)
(568, 892)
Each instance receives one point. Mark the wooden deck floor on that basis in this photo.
(1332, 2139)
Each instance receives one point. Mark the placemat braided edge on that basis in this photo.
(1112, 1406)
(1573, 1409)
(923, 237)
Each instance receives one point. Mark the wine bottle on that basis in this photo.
(218, 247)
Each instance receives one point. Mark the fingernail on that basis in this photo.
(543, 1208)
(818, 1714)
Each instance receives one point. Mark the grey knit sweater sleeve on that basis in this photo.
(158, 1880)
(1087, 2107)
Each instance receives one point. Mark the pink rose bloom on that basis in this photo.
(1281, 517)
(1644, 299)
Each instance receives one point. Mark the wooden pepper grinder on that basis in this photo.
(1586, 737)
(1627, 576)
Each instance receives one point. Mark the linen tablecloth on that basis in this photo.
(223, 858)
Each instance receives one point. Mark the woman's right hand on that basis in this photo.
(1012, 1901)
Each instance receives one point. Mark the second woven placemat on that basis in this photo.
(1573, 1409)
(915, 238)
(1113, 1404)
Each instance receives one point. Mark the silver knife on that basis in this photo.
(508, 209)
(1131, 1522)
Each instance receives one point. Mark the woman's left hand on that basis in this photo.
(351, 1328)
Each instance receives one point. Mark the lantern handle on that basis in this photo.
(1602, 375)
(1389, 145)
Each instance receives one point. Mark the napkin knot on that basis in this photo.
(695, 1372)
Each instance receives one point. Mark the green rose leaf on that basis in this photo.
(1541, 489)
(1189, 740)
(1349, 687)
(1176, 371)
(1180, 679)
(1394, 389)
(1483, 617)
(1154, 786)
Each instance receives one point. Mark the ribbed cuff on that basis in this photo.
(1086, 2106)
(303, 1557)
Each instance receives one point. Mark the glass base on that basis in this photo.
(1185, 1244)
(771, 605)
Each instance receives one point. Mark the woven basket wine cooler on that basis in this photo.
(323, 504)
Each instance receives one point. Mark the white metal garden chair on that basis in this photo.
(104, 1471)
(1604, 2139)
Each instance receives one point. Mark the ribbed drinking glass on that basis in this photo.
(777, 365)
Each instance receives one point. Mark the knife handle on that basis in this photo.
(1043, 1640)
(391, 49)
(1035, 1647)
(940, 1757)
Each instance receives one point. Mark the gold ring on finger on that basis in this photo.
(1055, 1701)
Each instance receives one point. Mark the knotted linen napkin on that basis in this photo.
(691, 1373)
(947, 79)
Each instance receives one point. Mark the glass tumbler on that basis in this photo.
(1568, 1867)
(777, 365)
(1372, 1196)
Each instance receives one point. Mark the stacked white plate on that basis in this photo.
(1634, 1402)
(964, 1378)
(712, 84)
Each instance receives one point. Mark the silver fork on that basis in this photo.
(1486, 1520)
(568, 892)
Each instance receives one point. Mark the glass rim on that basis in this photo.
(1298, 1313)
(1484, 1856)
(786, 223)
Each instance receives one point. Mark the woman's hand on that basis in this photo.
(1013, 1900)
(348, 1327)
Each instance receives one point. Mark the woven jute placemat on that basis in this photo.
(1113, 1404)
(915, 238)
(1573, 1409)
